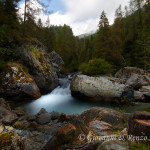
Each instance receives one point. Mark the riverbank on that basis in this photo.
(22, 131)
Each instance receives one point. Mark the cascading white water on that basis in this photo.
(63, 89)
(59, 100)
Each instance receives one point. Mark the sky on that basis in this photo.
(81, 15)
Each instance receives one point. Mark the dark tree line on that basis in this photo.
(125, 43)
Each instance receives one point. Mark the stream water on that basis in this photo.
(60, 100)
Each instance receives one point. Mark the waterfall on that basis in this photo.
(63, 88)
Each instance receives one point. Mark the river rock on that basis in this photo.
(139, 96)
(64, 136)
(44, 118)
(54, 115)
(134, 77)
(23, 124)
(110, 116)
(139, 124)
(19, 111)
(40, 65)
(98, 88)
(9, 119)
(4, 104)
(17, 84)
(42, 111)
(114, 145)
(100, 128)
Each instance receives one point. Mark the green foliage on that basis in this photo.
(96, 67)
(140, 146)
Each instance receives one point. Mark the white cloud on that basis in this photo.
(83, 15)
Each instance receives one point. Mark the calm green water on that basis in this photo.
(60, 100)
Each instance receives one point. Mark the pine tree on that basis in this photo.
(102, 39)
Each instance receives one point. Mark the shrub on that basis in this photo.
(96, 67)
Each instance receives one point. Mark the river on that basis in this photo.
(60, 100)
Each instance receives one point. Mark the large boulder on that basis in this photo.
(133, 76)
(15, 83)
(41, 67)
(98, 88)
(110, 116)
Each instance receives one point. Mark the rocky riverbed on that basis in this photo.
(52, 131)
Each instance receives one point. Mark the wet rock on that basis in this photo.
(139, 124)
(115, 118)
(54, 115)
(46, 129)
(134, 77)
(17, 84)
(24, 124)
(9, 119)
(100, 128)
(139, 96)
(98, 88)
(65, 135)
(19, 111)
(44, 118)
(33, 141)
(31, 117)
(63, 117)
(113, 145)
(33, 125)
(42, 111)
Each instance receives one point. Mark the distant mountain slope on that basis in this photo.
(86, 34)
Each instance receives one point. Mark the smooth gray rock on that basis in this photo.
(98, 88)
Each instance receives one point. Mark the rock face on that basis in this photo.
(57, 61)
(139, 124)
(15, 83)
(134, 77)
(98, 88)
(42, 67)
